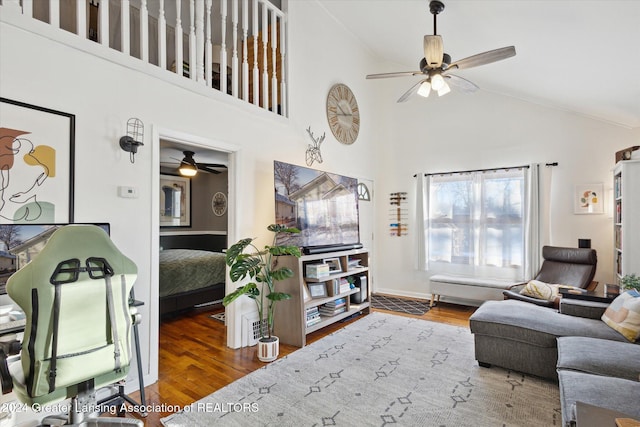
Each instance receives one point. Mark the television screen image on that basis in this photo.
(20, 243)
(323, 205)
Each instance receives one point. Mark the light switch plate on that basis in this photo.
(128, 192)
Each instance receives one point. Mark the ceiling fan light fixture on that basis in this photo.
(437, 82)
(188, 165)
(187, 169)
(436, 65)
(424, 89)
(444, 89)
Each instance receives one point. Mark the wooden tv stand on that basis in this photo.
(291, 315)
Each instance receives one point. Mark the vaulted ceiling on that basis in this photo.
(581, 56)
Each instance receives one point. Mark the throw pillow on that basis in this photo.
(623, 315)
(540, 290)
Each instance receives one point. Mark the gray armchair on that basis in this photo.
(565, 266)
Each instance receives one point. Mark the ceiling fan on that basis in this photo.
(436, 65)
(189, 167)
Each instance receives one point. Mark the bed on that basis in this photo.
(192, 271)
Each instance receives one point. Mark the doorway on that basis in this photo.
(172, 145)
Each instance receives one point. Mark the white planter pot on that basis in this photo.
(268, 350)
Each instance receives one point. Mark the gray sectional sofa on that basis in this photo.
(592, 362)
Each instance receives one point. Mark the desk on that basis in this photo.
(12, 326)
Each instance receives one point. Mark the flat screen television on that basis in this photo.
(323, 205)
(20, 243)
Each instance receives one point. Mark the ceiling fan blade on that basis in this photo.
(414, 89)
(400, 74)
(180, 161)
(207, 169)
(433, 51)
(484, 58)
(213, 165)
(463, 85)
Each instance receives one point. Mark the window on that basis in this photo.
(475, 222)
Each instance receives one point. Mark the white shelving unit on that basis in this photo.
(291, 315)
(626, 218)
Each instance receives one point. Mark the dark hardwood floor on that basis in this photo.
(194, 360)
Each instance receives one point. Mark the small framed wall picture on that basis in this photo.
(317, 290)
(334, 265)
(588, 199)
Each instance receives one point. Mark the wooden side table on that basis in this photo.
(596, 296)
(594, 416)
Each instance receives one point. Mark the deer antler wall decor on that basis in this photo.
(313, 150)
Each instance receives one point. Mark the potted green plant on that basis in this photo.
(630, 281)
(262, 269)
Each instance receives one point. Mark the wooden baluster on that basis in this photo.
(192, 41)
(283, 85)
(103, 22)
(178, 39)
(81, 18)
(124, 27)
(208, 46)
(245, 50)
(144, 31)
(162, 37)
(199, 51)
(256, 71)
(223, 46)
(274, 78)
(265, 65)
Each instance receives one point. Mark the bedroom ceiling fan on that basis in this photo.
(189, 167)
(436, 65)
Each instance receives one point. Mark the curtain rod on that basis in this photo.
(485, 170)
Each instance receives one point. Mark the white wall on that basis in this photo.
(485, 130)
(103, 95)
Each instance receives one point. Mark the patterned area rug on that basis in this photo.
(401, 305)
(380, 370)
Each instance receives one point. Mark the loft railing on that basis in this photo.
(234, 46)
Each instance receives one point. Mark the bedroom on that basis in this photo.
(193, 226)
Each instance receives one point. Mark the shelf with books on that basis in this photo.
(321, 301)
(346, 284)
(626, 227)
(326, 321)
(336, 275)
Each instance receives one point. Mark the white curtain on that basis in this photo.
(422, 208)
(532, 237)
(537, 231)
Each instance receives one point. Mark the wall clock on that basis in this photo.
(219, 204)
(343, 114)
